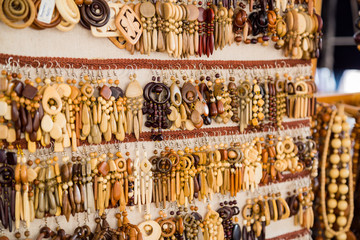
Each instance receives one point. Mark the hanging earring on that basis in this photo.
(134, 115)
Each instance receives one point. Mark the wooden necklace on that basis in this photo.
(337, 126)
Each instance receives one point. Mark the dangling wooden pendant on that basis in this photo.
(134, 96)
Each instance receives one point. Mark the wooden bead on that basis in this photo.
(341, 221)
(331, 203)
(344, 173)
(334, 173)
(345, 157)
(343, 189)
(342, 236)
(336, 143)
(346, 143)
(333, 188)
(331, 217)
(336, 128)
(342, 205)
(334, 158)
(328, 234)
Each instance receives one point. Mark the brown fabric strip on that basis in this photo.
(289, 177)
(149, 63)
(291, 235)
(185, 134)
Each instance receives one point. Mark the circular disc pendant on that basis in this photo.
(150, 230)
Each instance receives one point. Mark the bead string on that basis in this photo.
(323, 181)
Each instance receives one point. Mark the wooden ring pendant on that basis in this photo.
(168, 226)
(7, 174)
(158, 88)
(164, 165)
(288, 146)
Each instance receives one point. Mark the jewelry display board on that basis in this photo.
(76, 54)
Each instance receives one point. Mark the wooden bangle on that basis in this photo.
(16, 11)
(56, 18)
(68, 11)
(65, 26)
(12, 24)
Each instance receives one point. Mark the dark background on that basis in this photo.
(339, 49)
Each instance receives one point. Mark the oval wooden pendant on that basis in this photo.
(193, 12)
(46, 123)
(175, 96)
(51, 93)
(56, 132)
(147, 9)
(196, 117)
(189, 93)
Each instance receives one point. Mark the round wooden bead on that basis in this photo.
(336, 143)
(336, 128)
(342, 205)
(345, 158)
(332, 203)
(344, 173)
(334, 173)
(343, 189)
(328, 234)
(341, 221)
(342, 236)
(334, 158)
(331, 217)
(333, 188)
(346, 126)
(232, 154)
(346, 142)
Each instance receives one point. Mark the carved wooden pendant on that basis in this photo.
(129, 25)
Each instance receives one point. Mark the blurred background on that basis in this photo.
(339, 64)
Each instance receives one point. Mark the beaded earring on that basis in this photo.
(134, 115)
